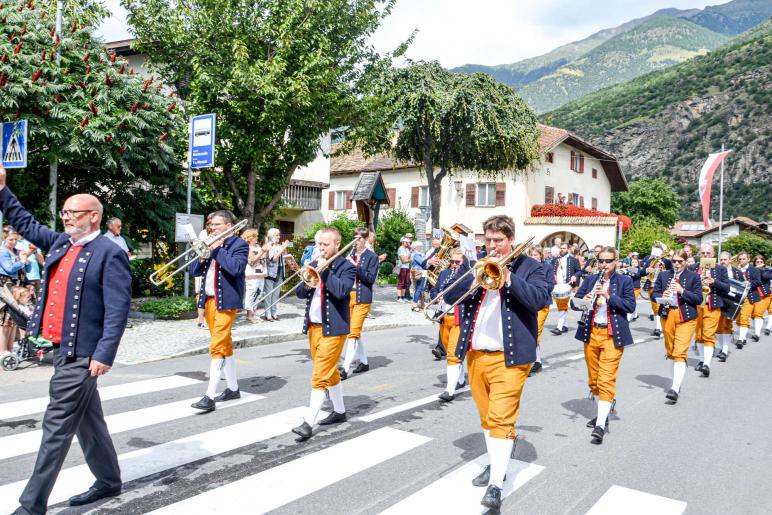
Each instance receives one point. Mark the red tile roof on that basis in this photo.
(550, 136)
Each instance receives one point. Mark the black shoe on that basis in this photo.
(303, 431)
(565, 329)
(597, 435)
(722, 357)
(767, 332)
(699, 366)
(446, 397)
(92, 495)
(591, 423)
(754, 338)
(672, 395)
(556, 332)
(228, 395)
(705, 371)
(492, 498)
(537, 366)
(483, 477)
(343, 374)
(651, 317)
(739, 343)
(361, 368)
(436, 353)
(656, 333)
(461, 383)
(205, 404)
(333, 418)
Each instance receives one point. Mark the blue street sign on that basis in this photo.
(14, 148)
(202, 141)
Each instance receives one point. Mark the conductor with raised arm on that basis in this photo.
(82, 308)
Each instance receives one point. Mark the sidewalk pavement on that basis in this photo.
(152, 340)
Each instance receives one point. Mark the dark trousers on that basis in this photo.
(74, 409)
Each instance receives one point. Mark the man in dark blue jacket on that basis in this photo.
(605, 331)
(567, 273)
(327, 325)
(756, 303)
(82, 308)
(221, 298)
(709, 314)
(498, 330)
(537, 253)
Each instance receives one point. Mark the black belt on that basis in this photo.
(600, 326)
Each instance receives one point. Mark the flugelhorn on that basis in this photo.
(199, 249)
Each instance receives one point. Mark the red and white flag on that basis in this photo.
(706, 179)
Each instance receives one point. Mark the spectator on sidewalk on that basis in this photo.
(34, 262)
(403, 257)
(418, 275)
(113, 234)
(274, 273)
(254, 274)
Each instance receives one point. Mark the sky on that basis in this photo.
(457, 32)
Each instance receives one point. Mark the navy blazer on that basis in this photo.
(573, 269)
(229, 281)
(337, 279)
(520, 301)
(98, 289)
(446, 277)
(425, 265)
(366, 273)
(759, 290)
(720, 285)
(688, 300)
(645, 264)
(621, 302)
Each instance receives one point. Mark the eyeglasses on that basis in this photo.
(705, 253)
(607, 261)
(456, 262)
(70, 213)
(678, 260)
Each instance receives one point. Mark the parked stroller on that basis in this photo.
(25, 348)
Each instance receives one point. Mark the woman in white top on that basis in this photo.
(274, 272)
(254, 274)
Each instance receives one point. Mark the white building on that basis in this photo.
(570, 167)
(696, 234)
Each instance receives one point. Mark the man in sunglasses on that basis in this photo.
(83, 308)
(605, 333)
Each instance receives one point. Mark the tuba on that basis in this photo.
(657, 264)
(450, 240)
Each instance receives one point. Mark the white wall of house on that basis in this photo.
(317, 170)
(591, 234)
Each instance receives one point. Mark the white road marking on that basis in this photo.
(404, 407)
(454, 493)
(575, 357)
(618, 499)
(106, 393)
(281, 485)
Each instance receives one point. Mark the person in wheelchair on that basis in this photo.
(18, 308)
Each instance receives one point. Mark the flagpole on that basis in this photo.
(721, 205)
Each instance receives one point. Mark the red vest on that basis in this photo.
(53, 313)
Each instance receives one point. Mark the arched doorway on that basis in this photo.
(566, 237)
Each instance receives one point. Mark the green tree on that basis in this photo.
(112, 133)
(341, 222)
(749, 242)
(279, 74)
(449, 123)
(642, 234)
(648, 198)
(391, 228)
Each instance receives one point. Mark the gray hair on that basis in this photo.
(112, 220)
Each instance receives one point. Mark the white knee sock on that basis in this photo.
(657, 323)
(724, 339)
(743, 333)
(759, 325)
(314, 405)
(562, 319)
(604, 408)
(336, 396)
(538, 353)
(769, 322)
(672, 367)
(701, 351)
(454, 371)
(679, 370)
(351, 350)
(215, 371)
(499, 450)
(230, 373)
(361, 353)
(708, 355)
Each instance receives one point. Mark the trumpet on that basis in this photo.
(309, 275)
(199, 249)
(489, 274)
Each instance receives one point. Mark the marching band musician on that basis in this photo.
(566, 270)
(605, 333)
(725, 325)
(755, 303)
(449, 325)
(221, 297)
(636, 273)
(537, 253)
(327, 326)
(681, 319)
(766, 302)
(366, 263)
(498, 336)
(709, 315)
(766, 276)
(665, 264)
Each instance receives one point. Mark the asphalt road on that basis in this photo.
(708, 454)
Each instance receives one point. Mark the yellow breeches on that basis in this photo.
(761, 306)
(602, 358)
(708, 321)
(449, 332)
(725, 326)
(562, 304)
(541, 317)
(678, 335)
(637, 293)
(325, 353)
(220, 324)
(744, 316)
(654, 305)
(496, 389)
(358, 314)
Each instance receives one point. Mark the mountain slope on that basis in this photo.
(665, 123)
(734, 17)
(655, 44)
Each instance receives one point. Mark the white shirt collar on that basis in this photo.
(86, 239)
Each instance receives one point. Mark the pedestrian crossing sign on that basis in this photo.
(14, 144)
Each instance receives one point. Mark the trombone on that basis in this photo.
(199, 249)
(489, 274)
(309, 275)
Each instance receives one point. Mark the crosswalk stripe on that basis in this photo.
(619, 499)
(575, 357)
(454, 493)
(152, 460)
(38, 405)
(23, 443)
(404, 407)
(280, 485)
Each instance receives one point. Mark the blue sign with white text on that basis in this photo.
(14, 144)
(202, 141)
